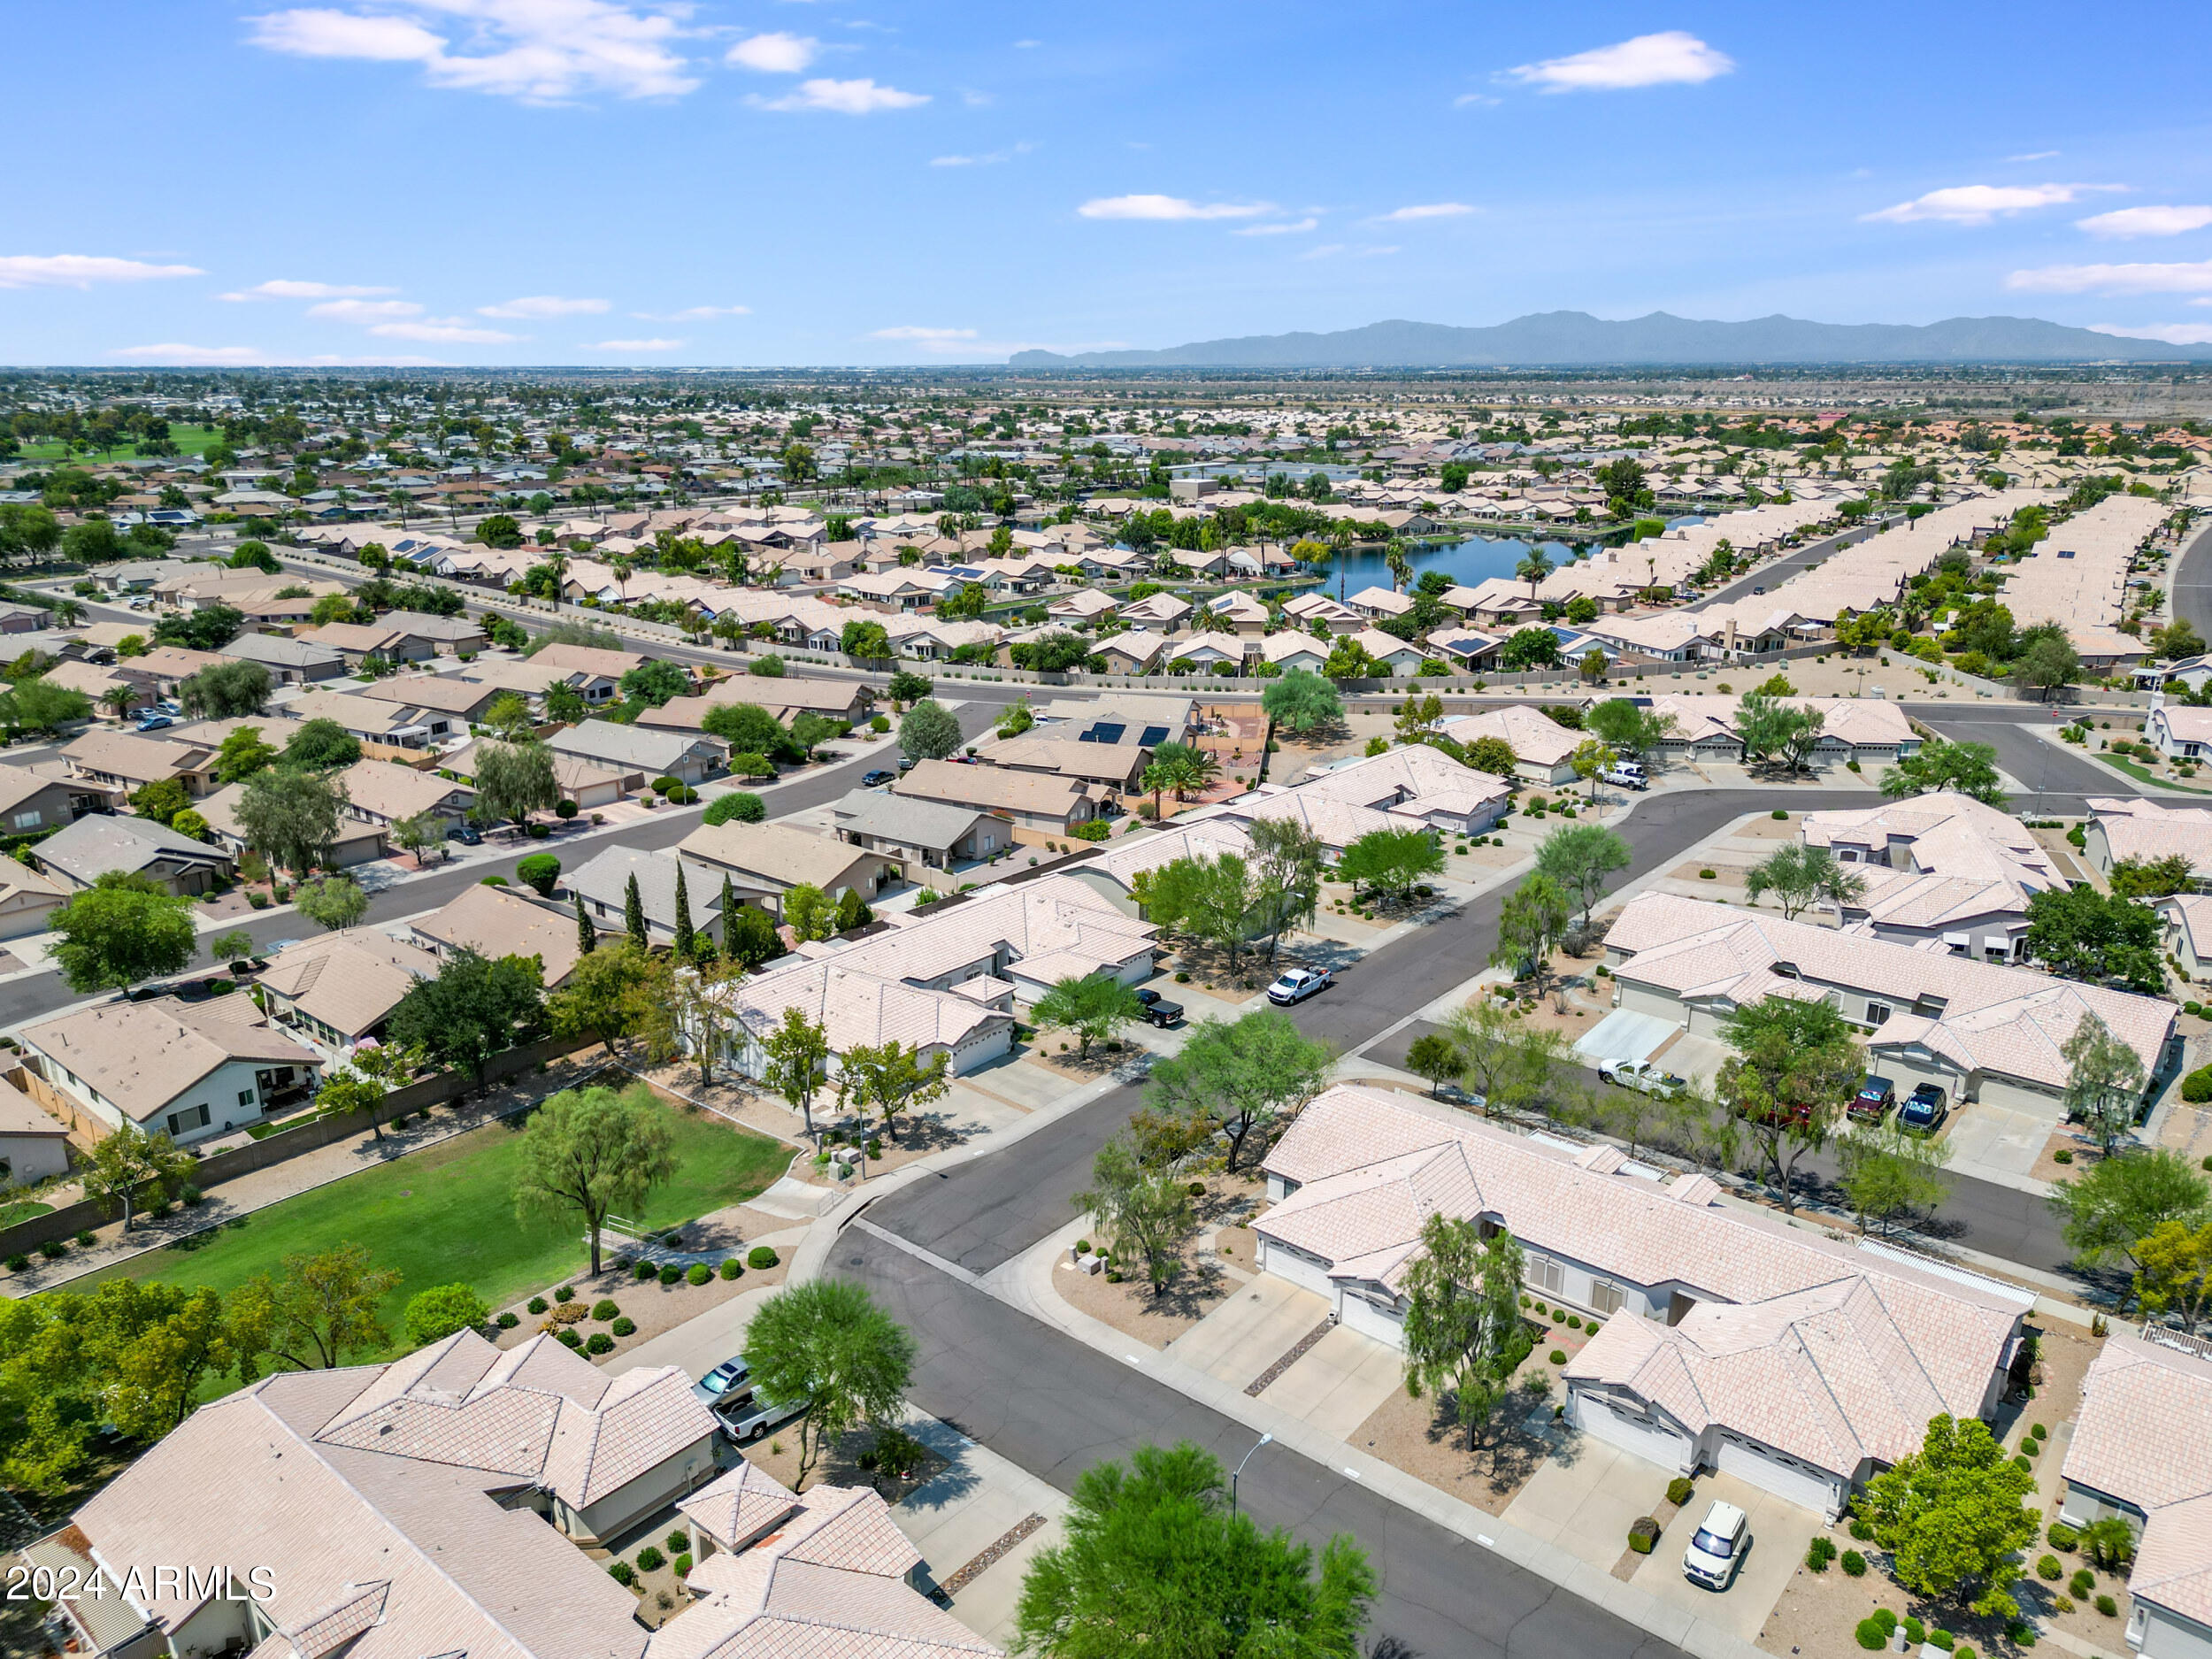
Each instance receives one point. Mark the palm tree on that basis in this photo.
(622, 573)
(1533, 570)
(1401, 567)
(119, 700)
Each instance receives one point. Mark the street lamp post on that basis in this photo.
(1264, 1439)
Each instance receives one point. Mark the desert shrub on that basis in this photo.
(537, 1304)
(2197, 1087)
(599, 1342)
(624, 1326)
(605, 1308)
(1679, 1489)
(1861, 1530)
(642, 1270)
(1643, 1533)
(650, 1560)
(622, 1572)
(1558, 1356)
(2022, 1464)
(1916, 1633)
(2041, 1431)
(2062, 1536)
(2020, 1633)
(1574, 1322)
(2082, 1584)
(2047, 1567)
(699, 1274)
(566, 1335)
(731, 1268)
(1870, 1634)
(671, 1274)
(681, 1565)
(2106, 1606)
(1822, 1552)
(508, 1321)
(1943, 1639)
(761, 1257)
(1853, 1564)
(566, 1293)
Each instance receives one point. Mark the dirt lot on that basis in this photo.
(1420, 1437)
(1217, 1258)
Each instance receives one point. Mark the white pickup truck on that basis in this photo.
(1643, 1076)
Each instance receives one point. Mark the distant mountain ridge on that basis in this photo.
(1577, 340)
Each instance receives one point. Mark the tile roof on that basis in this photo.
(141, 1055)
(1535, 739)
(2138, 828)
(133, 758)
(351, 980)
(740, 1505)
(386, 789)
(987, 787)
(2143, 1435)
(654, 749)
(96, 844)
(782, 855)
(499, 922)
(912, 823)
(2010, 1021)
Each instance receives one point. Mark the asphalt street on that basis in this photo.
(2192, 582)
(1768, 577)
(1056, 1407)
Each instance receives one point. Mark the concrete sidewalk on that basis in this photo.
(972, 1507)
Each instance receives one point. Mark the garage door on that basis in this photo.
(1632, 1432)
(1785, 1477)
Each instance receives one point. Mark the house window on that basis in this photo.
(1877, 1013)
(27, 820)
(190, 1117)
(1605, 1296)
(245, 1097)
(1544, 1273)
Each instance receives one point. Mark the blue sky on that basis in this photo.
(780, 181)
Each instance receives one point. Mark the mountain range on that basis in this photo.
(1577, 340)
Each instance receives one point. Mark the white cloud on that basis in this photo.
(776, 54)
(1473, 100)
(450, 331)
(2147, 221)
(1351, 251)
(209, 356)
(1168, 207)
(693, 314)
(927, 336)
(989, 159)
(543, 305)
(81, 270)
(1649, 60)
(1024, 46)
(1291, 227)
(633, 345)
(2034, 155)
(844, 98)
(280, 289)
(2115, 279)
(538, 51)
(1980, 204)
(1429, 209)
(2172, 334)
(365, 310)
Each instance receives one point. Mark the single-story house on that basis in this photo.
(357, 642)
(1113, 766)
(2133, 827)
(766, 861)
(28, 898)
(336, 989)
(1543, 749)
(188, 1070)
(358, 843)
(465, 702)
(688, 758)
(383, 792)
(584, 782)
(290, 662)
(128, 762)
(604, 884)
(498, 922)
(376, 720)
(96, 846)
(31, 802)
(1040, 804)
(34, 1143)
(917, 834)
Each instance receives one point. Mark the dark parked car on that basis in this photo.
(1164, 1014)
(1927, 1110)
(871, 779)
(1875, 1097)
(1147, 996)
(467, 834)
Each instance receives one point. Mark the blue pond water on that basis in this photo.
(1466, 562)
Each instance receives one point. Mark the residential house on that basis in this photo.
(358, 842)
(1790, 1360)
(30, 802)
(688, 758)
(1236, 613)
(1081, 608)
(383, 793)
(290, 662)
(2134, 827)
(2141, 1449)
(101, 845)
(1465, 649)
(1115, 767)
(603, 883)
(29, 897)
(1377, 603)
(1164, 612)
(128, 762)
(162, 669)
(447, 635)
(1040, 806)
(919, 834)
(1211, 653)
(1543, 749)
(584, 782)
(190, 1069)
(498, 922)
(463, 703)
(1399, 656)
(2187, 920)
(333, 990)
(2179, 732)
(1314, 606)
(357, 642)
(596, 664)
(1941, 870)
(375, 720)
(1977, 1030)
(1134, 651)
(34, 1143)
(1287, 650)
(766, 861)
(1873, 733)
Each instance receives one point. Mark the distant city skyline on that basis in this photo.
(611, 181)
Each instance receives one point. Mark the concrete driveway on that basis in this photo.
(1251, 1330)
(1338, 1382)
(1584, 1495)
(1780, 1533)
(1995, 1143)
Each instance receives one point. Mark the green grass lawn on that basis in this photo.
(2145, 775)
(189, 440)
(446, 1215)
(22, 1210)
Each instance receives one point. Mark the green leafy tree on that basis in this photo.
(290, 815)
(1290, 860)
(2104, 1083)
(1464, 1330)
(1627, 727)
(610, 994)
(515, 780)
(797, 1052)
(334, 902)
(1891, 1176)
(129, 1163)
(634, 915)
(1391, 862)
(1580, 858)
(592, 1153)
(1530, 647)
(928, 731)
(1970, 769)
(738, 806)
(1773, 730)
(1154, 1562)
(1250, 1076)
(654, 683)
(477, 1006)
(510, 719)
(243, 753)
(207, 628)
(321, 745)
(2097, 938)
(1800, 876)
(1433, 1055)
(1506, 1062)
(35, 705)
(1954, 1517)
(1531, 924)
(1591, 759)
(825, 1346)
(907, 686)
(435, 1314)
(1302, 701)
(1494, 756)
(683, 942)
(749, 936)
(2173, 1274)
(1146, 1212)
(224, 691)
(122, 931)
(1794, 1068)
(809, 913)
(2152, 877)
(320, 1309)
(1094, 1007)
(886, 1079)
(161, 801)
(2107, 1212)
(2050, 663)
